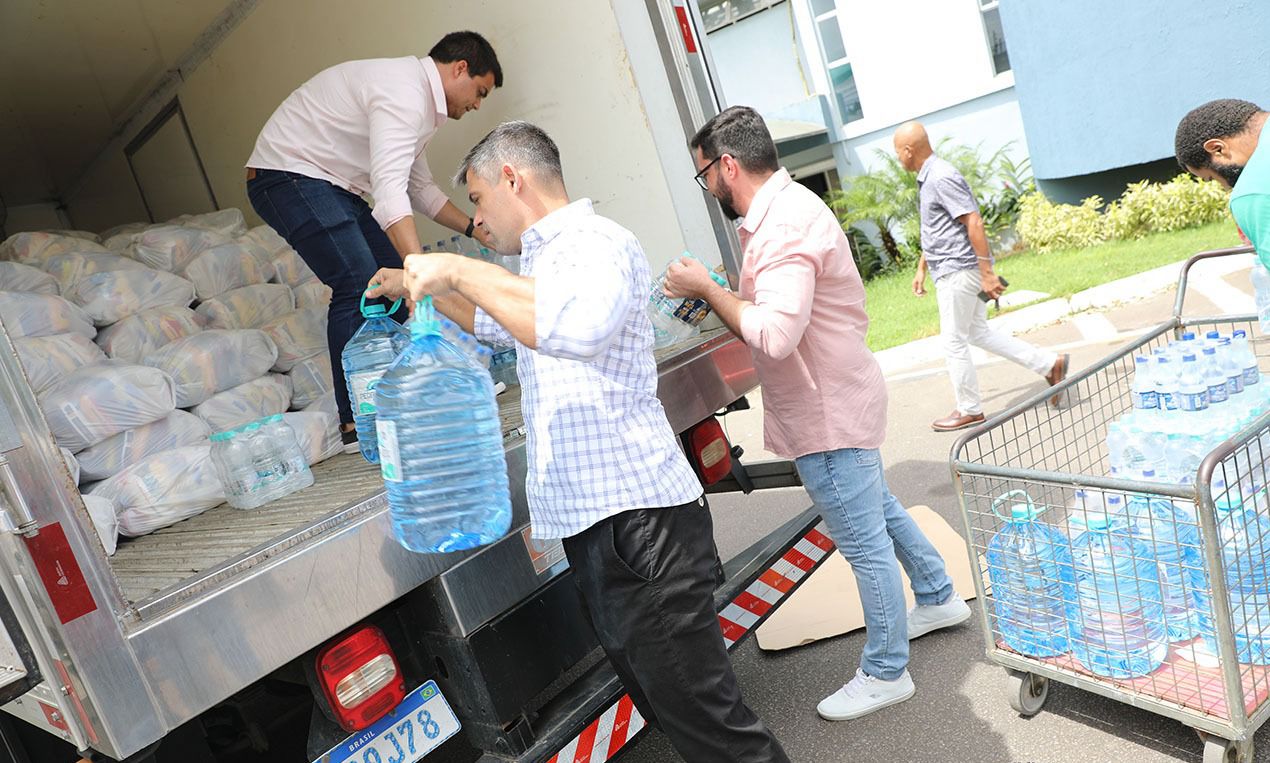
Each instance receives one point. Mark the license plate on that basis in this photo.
(413, 729)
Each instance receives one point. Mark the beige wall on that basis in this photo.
(31, 217)
(107, 197)
(576, 84)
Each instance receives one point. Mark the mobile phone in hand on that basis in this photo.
(983, 295)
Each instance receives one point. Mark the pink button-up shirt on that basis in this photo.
(822, 388)
(363, 125)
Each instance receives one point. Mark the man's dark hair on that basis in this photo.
(741, 133)
(1216, 119)
(470, 47)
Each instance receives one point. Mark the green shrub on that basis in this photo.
(1144, 208)
(1045, 226)
(1183, 202)
(868, 258)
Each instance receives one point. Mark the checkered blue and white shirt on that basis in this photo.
(598, 439)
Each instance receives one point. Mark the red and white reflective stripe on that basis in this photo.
(741, 614)
(605, 736)
(619, 724)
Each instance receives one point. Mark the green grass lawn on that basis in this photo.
(896, 316)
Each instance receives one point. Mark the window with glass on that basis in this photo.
(838, 64)
(995, 35)
(716, 14)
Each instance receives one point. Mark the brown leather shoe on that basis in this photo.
(956, 420)
(1057, 374)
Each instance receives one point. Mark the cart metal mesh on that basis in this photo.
(1168, 607)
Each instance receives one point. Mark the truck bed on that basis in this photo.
(181, 560)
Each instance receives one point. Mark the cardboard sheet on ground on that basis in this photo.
(828, 604)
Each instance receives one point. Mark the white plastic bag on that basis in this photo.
(171, 247)
(268, 238)
(325, 404)
(249, 307)
(246, 403)
(70, 267)
(111, 296)
(312, 294)
(72, 464)
(26, 314)
(79, 234)
(98, 401)
(298, 335)
(36, 246)
(137, 336)
(310, 380)
(223, 268)
(14, 276)
(208, 362)
(49, 359)
(114, 454)
(227, 222)
(291, 268)
(121, 237)
(318, 433)
(163, 489)
(101, 510)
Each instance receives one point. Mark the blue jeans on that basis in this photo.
(872, 529)
(336, 236)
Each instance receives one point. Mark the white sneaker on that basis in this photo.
(863, 695)
(932, 617)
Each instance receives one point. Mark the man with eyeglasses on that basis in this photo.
(358, 128)
(801, 311)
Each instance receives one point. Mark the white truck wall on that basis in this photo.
(565, 68)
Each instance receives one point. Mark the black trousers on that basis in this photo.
(648, 578)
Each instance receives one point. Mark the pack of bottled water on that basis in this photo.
(260, 462)
(1187, 398)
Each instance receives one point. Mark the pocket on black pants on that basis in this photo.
(629, 542)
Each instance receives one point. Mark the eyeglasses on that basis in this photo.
(700, 177)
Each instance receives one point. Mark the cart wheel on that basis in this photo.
(1027, 693)
(1218, 750)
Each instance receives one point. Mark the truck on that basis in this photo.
(304, 631)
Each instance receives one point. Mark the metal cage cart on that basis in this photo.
(1151, 591)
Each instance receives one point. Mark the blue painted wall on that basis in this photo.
(757, 61)
(1102, 85)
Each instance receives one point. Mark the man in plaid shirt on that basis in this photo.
(605, 471)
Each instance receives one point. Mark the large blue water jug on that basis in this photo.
(441, 445)
(1244, 535)
(1171, 534)
(369, 352)
(1117, 618)
(1030, 568)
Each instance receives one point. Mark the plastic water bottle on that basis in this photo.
(1245, 357)
(231, 458)
(366, 356)
(1261, 289)
(259, 462)
(1214, 378)
(675, 320)
(295, 467)
(1173, 538)
(1230, 368)
(441, 445)
(1182, 454)
(1192, 393)
(1145, 396)
(1126, 452)
(1029, 566)
(1165, 382)
(1117, 619)
(1244, 536)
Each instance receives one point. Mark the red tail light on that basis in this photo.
(710, 451)
(360, 678)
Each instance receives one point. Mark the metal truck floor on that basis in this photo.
(225, 540)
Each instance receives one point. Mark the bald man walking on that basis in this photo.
(955, 252)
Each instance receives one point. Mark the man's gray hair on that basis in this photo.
(520, 144)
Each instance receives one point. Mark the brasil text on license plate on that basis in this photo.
(413, 729)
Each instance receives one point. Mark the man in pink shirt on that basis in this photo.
(360, 128)
(801, 311)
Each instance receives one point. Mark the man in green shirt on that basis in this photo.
(1228, 140)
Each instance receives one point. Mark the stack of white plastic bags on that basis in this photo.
(196, 330)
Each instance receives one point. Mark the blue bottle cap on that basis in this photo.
(375, 309)
(1210, 350)
(1212, 335)
(273, 419)
(1240, 334)
(222, 436)
(1188, 357)
(1097, 523)
(1188, 336)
